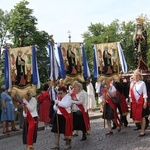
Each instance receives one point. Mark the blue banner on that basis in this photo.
(95, 63)
(53, 63)
(6, 69)
(61, 62)
(86, 72)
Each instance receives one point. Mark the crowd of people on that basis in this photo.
(64, 108)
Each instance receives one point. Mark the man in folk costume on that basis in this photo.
(122, 107)
(63, 120)
(138, 97)
(30, 122)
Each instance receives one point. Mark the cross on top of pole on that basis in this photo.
(69, 36)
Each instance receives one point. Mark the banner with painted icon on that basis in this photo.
(24, 75)
(109, 59)
(74, 60)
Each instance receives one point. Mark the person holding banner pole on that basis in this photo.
(80, 113)
(30, 121)
(63, 119)
(110, 113)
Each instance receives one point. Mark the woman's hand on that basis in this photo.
(5, 110)
(145, 105)
(74, 98)
(25, 101)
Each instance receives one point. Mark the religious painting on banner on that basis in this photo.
(72, 57)
(21, 70)
(107, 59)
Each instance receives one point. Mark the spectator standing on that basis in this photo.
(8, 111)
(45, 103)
(91, 96)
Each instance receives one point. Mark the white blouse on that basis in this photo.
(32, 107)
(138, 89)
(66, 103)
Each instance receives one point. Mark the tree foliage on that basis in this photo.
(116, 31)
(22, 24)
(23, 32)
(4, 21)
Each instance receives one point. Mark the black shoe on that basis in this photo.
(137, 129)
(114, 127)
(109, 133)
(75, 134)
(125, 124)
(141, 135)
(83, 139)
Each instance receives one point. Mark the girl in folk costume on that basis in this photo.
(30, 121)
(138, 97)
(63, 121)
(109, 110)
(80, 114)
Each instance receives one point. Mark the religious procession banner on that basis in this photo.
(109, 59)
(21, 70)
(74, 61)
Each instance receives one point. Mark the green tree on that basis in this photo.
(41, 38)
(114, 32)
(4, 21)
(22, 24)
(24, 33)
(126, 36)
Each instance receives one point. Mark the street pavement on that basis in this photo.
(127, 139)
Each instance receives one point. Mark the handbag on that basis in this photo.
(116, 99)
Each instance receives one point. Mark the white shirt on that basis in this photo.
(32, 107)
(97, 86)
(82, 98)
(111, 89)
(90, 89)
(138, 89)
(66, 103)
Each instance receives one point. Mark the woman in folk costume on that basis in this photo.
(80, 114)
(109, 110)
(138, 97)
(45, 103)
(30, 121)
(63, 119)
(91, 95)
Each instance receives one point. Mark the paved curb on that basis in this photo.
(40, 128)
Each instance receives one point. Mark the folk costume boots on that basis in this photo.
(68, 144)
(30, 147)
(83, 136)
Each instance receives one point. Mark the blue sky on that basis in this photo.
(58, 16)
